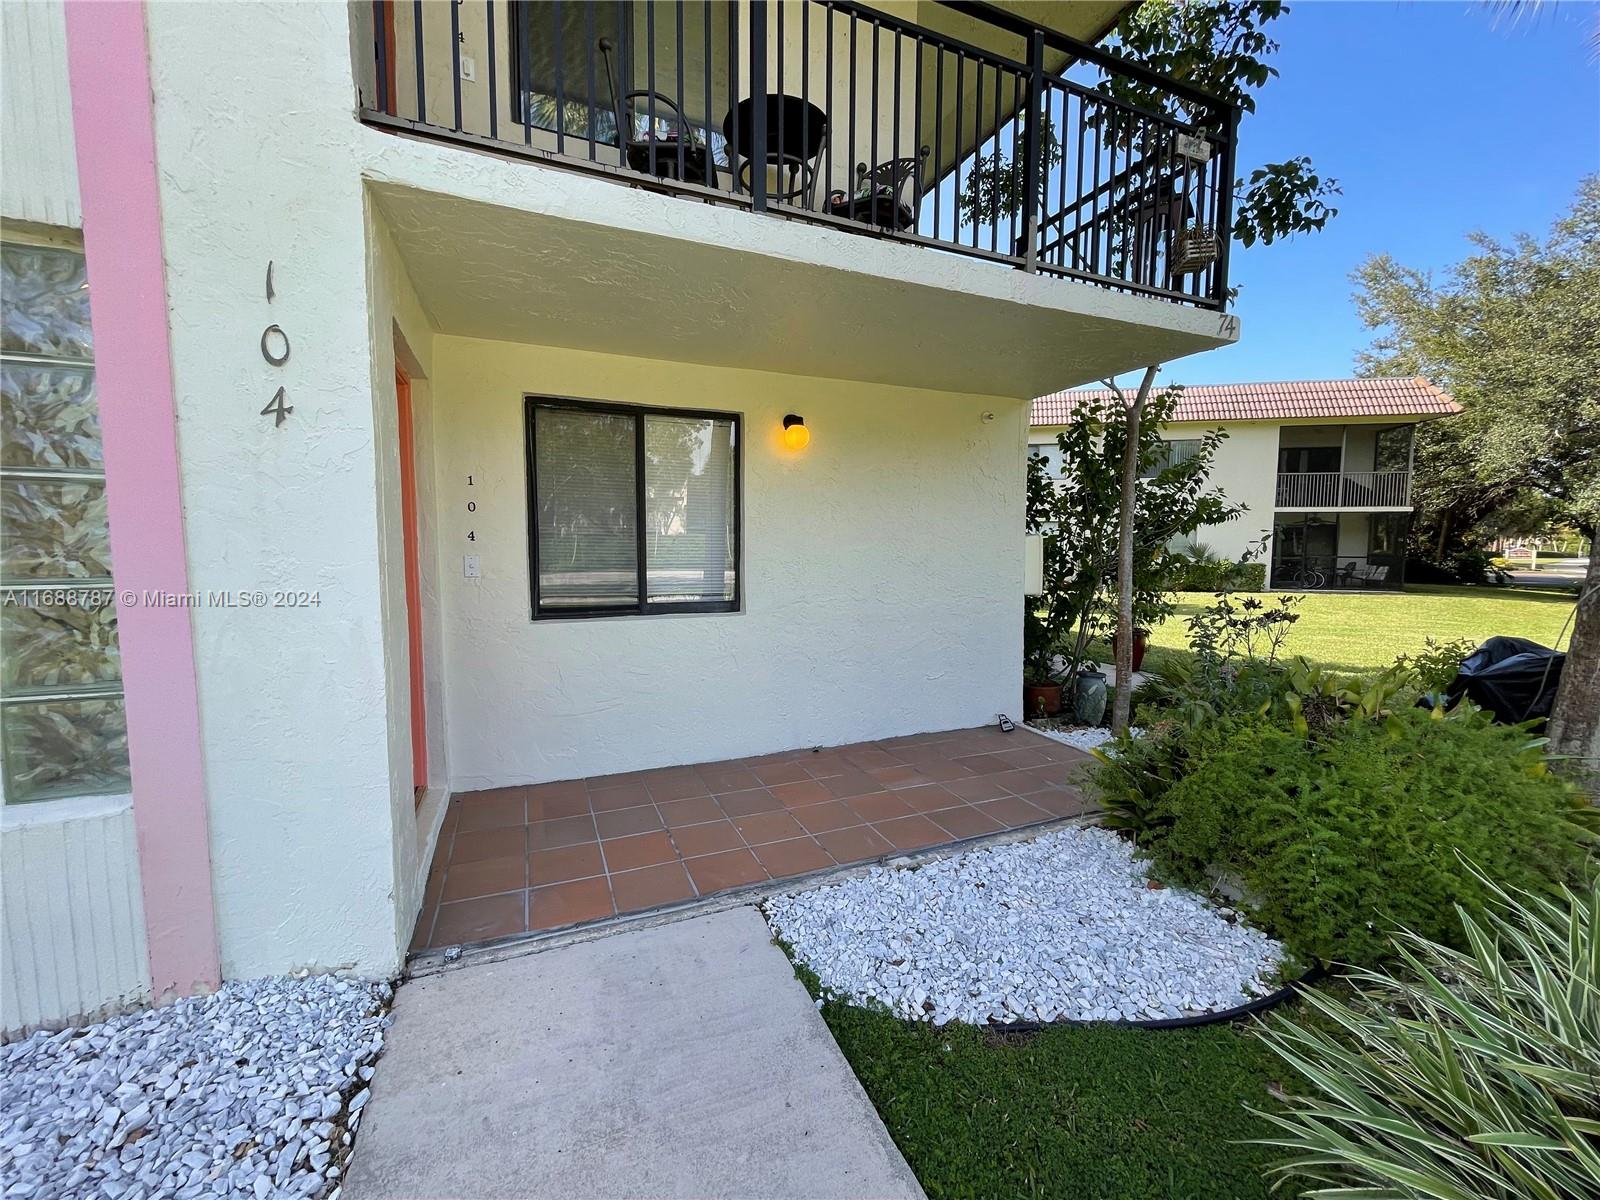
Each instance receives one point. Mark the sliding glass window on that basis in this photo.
(631, 510)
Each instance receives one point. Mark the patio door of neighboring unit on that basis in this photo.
(413, 573)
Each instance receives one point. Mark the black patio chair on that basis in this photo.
(654, 133)
(888, 194)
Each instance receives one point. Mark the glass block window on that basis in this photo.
(62, 730)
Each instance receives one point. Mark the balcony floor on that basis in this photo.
(519, 860)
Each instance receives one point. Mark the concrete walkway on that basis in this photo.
(683, 1060)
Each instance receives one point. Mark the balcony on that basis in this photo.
(989, 137)
(1370, 491)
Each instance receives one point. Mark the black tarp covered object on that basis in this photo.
(1510, 677)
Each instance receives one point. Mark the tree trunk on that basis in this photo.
(1575, 722)
(1122, 708)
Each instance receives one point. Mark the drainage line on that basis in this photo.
(1259, 1005)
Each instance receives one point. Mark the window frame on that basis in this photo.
(531, 403)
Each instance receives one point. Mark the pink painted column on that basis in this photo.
(115, 132)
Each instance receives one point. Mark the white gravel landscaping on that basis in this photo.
(255, 1091)
(1062, 926)
(1083, 737)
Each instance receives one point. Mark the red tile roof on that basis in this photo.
(1297, 400)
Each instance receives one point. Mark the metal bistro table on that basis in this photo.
(796, 132)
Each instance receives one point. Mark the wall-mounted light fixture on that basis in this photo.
(795, 434)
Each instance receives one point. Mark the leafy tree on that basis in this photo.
(1079, 510)
(1513, 333)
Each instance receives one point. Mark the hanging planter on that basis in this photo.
(1196, 248)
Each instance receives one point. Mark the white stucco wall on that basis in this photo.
(402, 337)
(882, 575)
(257, 165)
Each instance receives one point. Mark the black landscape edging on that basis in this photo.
(1259, 1005)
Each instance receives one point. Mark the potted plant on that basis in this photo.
(1041, 686)
(1141, 643)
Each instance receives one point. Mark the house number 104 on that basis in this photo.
(275, 349)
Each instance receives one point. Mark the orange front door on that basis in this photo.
(408, 519)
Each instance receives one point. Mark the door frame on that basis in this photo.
(410, 538)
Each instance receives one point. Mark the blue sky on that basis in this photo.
(1438, 118)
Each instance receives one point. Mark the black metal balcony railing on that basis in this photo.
(836, 112)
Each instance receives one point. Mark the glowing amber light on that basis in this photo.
(795, 434)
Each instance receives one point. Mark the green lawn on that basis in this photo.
(1092, 1112)
(1361, 631)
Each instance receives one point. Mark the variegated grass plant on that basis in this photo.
(1460, 1076)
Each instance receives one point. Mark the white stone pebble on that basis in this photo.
(1065, 926)
(239, 1093)
(1083, 737)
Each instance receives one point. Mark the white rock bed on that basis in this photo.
(1084, 738)
(255, 1091)
(1062, 926)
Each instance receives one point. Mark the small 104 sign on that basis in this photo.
(1195, 149)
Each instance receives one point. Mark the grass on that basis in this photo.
(1363, 631)
(1091, 1111)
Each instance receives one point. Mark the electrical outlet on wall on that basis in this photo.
(469, 567)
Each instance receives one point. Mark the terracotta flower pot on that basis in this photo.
(1040, 700)
(1141, 643)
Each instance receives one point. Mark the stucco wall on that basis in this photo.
(402, 337)
(882, 575)
(293, 700)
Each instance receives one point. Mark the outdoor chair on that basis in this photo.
(888, 194)
(652, 133)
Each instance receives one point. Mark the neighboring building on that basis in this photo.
(380, 425)
(1323, 469)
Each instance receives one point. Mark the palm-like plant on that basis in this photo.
(1471, 1075)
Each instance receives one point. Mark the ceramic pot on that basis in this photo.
(1141, 643)
(1089, 698)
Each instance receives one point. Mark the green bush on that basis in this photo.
(1437, 663)
(1250, 577)
(1343, 833)
(1469, 1075)
(1189, 572)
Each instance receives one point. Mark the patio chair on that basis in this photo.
(888, 194)
(652, 131)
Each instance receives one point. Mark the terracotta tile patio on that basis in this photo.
(529, 859)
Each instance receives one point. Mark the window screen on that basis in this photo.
(633, 510)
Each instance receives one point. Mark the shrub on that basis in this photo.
(1250, 577)
(1437, 663)
(1463, 566)
(1471, 1075)
(1198, 569)
(1341, 833)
